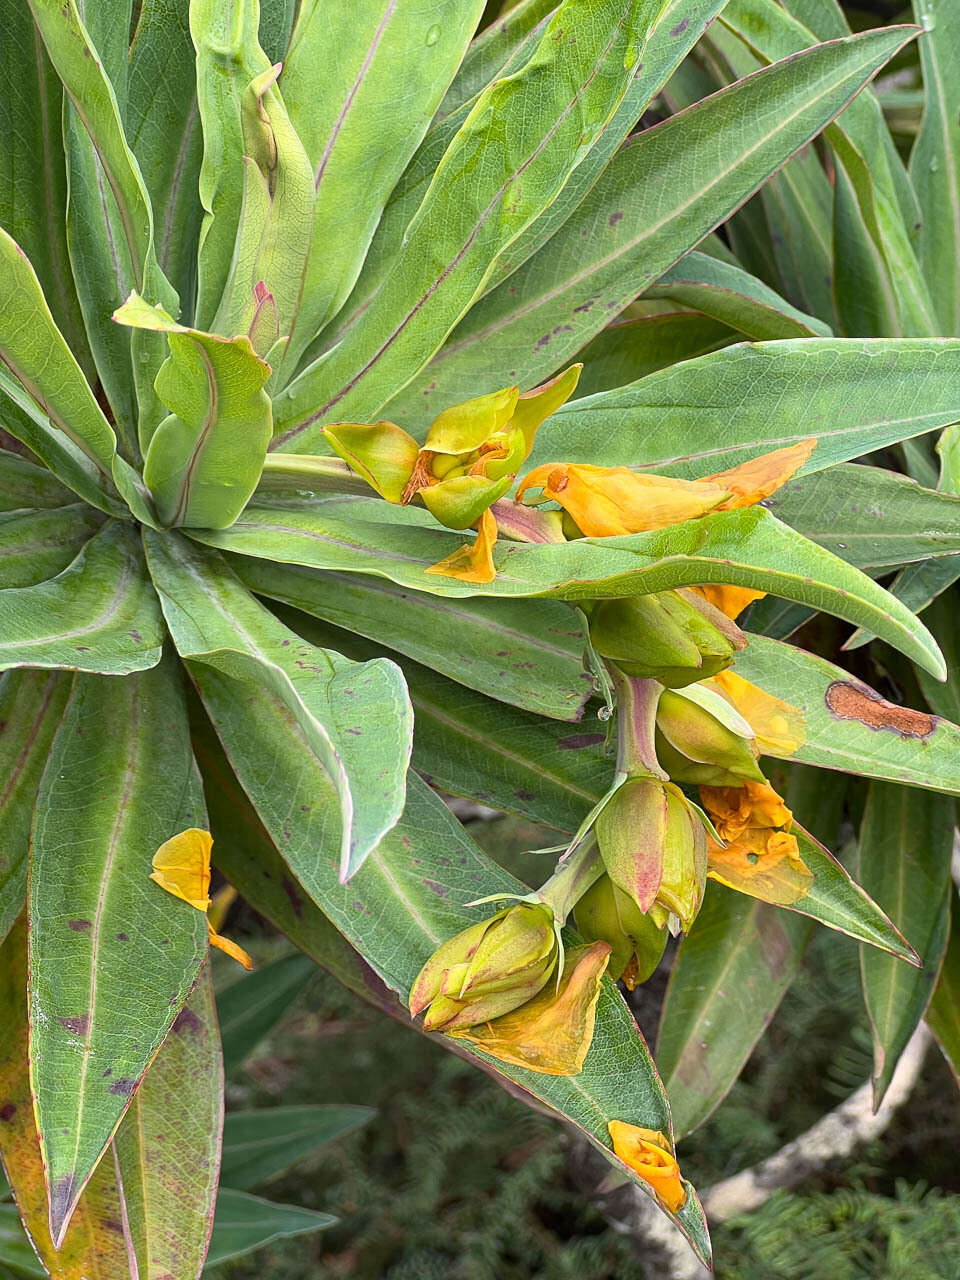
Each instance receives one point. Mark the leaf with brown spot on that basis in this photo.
(168, 1146)
(92, 1248)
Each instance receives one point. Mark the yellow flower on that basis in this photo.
(649, 1154)
(551, 1033)
(760, 856)
(474, 562)
(182, 866)
(609, 501)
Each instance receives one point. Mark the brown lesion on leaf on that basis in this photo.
(848, 701)
(78, 1026)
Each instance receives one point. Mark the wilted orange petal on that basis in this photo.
(182, 866)
(552, 1032)
(762, 863)
(610, 501)
(648, 1154)
(224, 944)
(755, 480)
(729, 600)
(473, 563)
(780, 727)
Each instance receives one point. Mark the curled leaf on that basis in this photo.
(181, 866)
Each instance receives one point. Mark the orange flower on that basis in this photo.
(649, 1154)
(750, 482)
(474, 562)
(760, 858)
(729, 600)
(779, 727)
(182, 866)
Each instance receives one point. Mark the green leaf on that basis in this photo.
(228, 58)
(869, 517)
(943, 1011)
(33, 196)
(31, 706)
(355, 720)
(664, 191)
(359, 132)
(94, 99)
(520, 142)
(917, 585)
(497, 46)
(205, 458)
(243, 1223)
(164, 128)
(109, 950)
(99, 614)
(945, 698)
(729, 975)
(24, 484)
(34, 351)
(402, 902)
(850, 727)
(529, 655)
(673, 34)
(35, 545)
(502, 756)
(251, 1006)
(906, 843)
(704, 415)
(16, 1250)
(93, 1246)
(745, 548)
(257, 1145)
(168, 1145)
(629, 349)
(732, 296)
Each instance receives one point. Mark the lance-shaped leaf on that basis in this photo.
(168, 1144)
(729, 976)
(869, 517)
(943, 1011)
(265, 285)
(92, 1246)
(112, 957)
(31, 705)
(60, 419)
(734, 297)
(244, 1223)
(24, 484)
(631, 348)
(33, 195)
(935, 159)
(35, 545)
(354, 721)
(99, 614)
(501, 756)
(165, 133)
(905, 847)
(944, 699)
(257, 1145)
(748, 548)
(704, 415)
(665, 190)
(94, 100)
(529, 655)
(205, 458)
(675, 31)
(406, 898)
(848, 726)
(360, 113)
(228, 58)
(494, 48)
(731, 972)
(917, 585)
(519, 143)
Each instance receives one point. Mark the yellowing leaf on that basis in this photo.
(181, 866)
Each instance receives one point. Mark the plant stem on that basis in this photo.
(572, 879)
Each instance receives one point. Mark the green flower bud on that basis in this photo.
(487, 970)
(654, 848)
(674, 637)
(606, 914)
(701, 738)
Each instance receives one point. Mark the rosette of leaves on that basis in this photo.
(223, 226)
